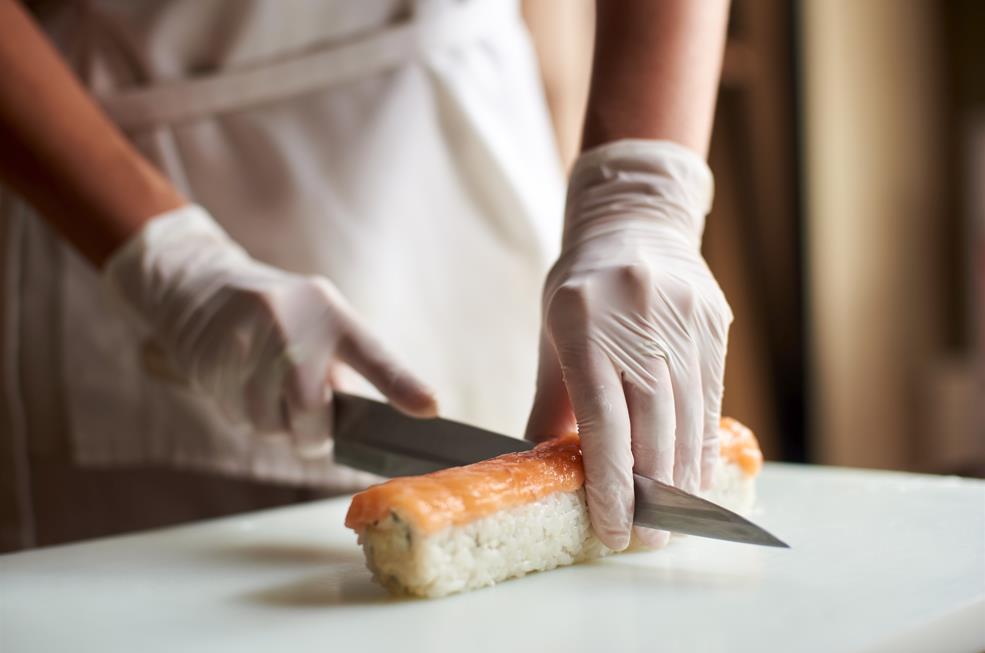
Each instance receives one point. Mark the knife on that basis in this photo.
(375, 437)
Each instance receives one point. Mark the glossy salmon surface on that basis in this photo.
(459, 495)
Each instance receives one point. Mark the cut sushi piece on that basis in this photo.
(734, 482)
(468, 527)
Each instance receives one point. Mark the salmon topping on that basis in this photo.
(460, 495)
(740, 446)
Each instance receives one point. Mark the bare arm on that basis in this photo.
(562, 32)
(61, 153)
(656, 71)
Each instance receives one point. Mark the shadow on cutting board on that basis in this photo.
(344, 585)
(278, 554)
(339, 575)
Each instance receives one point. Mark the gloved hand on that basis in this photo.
(258, 340)
(635, 329)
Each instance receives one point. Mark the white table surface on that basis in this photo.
(880, 562)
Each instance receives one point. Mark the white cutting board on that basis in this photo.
(880, 562)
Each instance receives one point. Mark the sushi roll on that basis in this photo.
(468, 527)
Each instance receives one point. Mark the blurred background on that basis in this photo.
(849, 154)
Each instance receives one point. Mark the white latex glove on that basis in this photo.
(635, 329)
(258, 340)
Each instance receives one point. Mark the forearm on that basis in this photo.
(61, 153)
(656, 71)
(561, 31)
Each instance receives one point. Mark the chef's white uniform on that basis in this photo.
(400, 148)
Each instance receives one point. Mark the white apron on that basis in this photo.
(402, 149)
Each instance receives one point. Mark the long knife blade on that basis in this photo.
(668, 508)
(375, 437)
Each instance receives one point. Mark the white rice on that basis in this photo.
(551, 532)
(732, 488)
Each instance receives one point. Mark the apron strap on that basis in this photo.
(427, 31)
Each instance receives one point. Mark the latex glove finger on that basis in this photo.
(599, 405)
(690, 417)
(264, 398)
(307, 401)
(307, 396)
(366, 355)
(712, 373)
(225, 364)
(311, 427)
(652, 424)
(245, 390)
(343, 378)
(551, 414)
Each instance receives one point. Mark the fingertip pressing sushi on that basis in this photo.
(468, 527)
